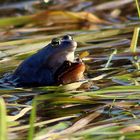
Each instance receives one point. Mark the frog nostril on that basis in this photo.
(67, 37)
(55, 42)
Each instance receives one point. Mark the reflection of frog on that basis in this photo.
(41, 68)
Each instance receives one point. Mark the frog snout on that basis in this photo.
(73, 45)
(69, 45)
(67, 40)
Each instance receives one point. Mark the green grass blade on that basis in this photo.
(14, 21)
(110, 58)
(133, 45)
(3, 120)
(138, 7)
(32, 120)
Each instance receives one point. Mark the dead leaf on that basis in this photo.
(130, 129)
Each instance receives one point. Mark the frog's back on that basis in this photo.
(32, 64)
(32, 67)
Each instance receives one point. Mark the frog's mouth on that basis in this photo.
(70, 72)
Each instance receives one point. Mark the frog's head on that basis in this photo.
(62, 50)
(62, 62)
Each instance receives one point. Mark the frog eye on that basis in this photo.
(67, 37)
(55, 42)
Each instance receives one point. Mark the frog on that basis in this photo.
(54, 64)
